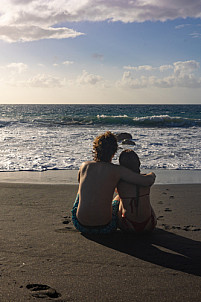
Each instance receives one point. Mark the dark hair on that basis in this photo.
(129, 159)
(104, 147)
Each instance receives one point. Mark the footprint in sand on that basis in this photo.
(171, 227)
(176, 227)
(166, 226)
(188, 228)
(159, 217)
(171, 197)
(168, 210)
(43, 291)
(67, 220)
(192, 228)
(160, 202)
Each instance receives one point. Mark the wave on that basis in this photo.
(104, 120)
(167, 121)
(5, 123)
(148, 121)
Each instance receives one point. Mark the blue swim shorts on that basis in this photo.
(105, 229)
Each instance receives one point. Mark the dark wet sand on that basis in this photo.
(43, 257)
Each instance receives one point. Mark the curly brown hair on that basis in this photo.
(129, 159)
(105, 146)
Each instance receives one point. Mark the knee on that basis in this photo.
(117, 198)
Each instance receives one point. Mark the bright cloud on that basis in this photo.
(148, 68)
(87, 78)
(44, 81)
(17, 67)
(138, 68)
(22, 20)
(24, 33)
(183, 75)
(165, 67)
(68, 62)
(179, 74)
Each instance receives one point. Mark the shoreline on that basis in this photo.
(163, 176)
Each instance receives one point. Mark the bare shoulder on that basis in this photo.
(101, 164)
(114, 167)
(82, 169)
(85, 165)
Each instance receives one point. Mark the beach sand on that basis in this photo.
(43, 257)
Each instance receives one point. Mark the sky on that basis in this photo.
(100, 52)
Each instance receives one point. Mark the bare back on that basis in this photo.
(136, 210)
(97, 184)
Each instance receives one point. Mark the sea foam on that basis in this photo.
(57, 137)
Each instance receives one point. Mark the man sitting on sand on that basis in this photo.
(94, 211)
(135, 211)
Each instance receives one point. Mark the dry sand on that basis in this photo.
(43, 257)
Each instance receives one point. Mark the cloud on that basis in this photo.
(44, 81)
(195, 35)
(128, 81)
(26, 20)
(186, 67)
(182, 26)
(41, 64)
(21, 1)
(17, 67)
(89, 79)
(148, 68)
(138, 68)
(68, 62)
(37, 81)
(165, 67)
(183, 75)
(24, 33)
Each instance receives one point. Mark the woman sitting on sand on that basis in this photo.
(135, 211)
(94, 210)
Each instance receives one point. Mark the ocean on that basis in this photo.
(60, 137)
